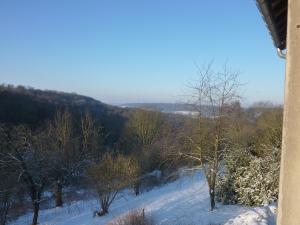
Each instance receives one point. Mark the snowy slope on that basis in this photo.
(184, 202)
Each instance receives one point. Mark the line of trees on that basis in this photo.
(238, 150)
(68, 152)
(50, 157)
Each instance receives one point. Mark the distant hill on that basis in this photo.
(20, 105)
(162, 107)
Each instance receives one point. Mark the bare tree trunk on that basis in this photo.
(35, 198)
(137, 188)
(36, 207)
(104, 210)
(5, 205)
(212, 198)
(213, 177)
(58, 194)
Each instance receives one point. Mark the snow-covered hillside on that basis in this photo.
(183, 202)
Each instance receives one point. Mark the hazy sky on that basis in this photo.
(135, 51)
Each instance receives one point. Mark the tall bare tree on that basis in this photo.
(214, 94)
(64, 153)
(8, 181)
(146, 126)
(92, 137)
(28, 156)
(145, 129)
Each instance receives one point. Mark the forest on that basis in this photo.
(55, 143)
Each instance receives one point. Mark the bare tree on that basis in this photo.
(213, 95)
(144, 130)
(73, 150)
(92, 137)
(110, 176)
(8, 181)
(146, 126)
(65, 153)
(28, 156)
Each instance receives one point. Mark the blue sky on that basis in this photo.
(135, 50)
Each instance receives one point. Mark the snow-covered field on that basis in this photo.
(183, 202)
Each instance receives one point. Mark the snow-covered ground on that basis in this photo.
(186, 113)
(183, 202)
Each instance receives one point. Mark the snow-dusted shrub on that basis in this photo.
(235, 158)
(225, 190)
(257, 184)
(248, 179)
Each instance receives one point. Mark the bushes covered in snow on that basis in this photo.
(257, 184)
(251, 174)
(252, 184)
(250, 180)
